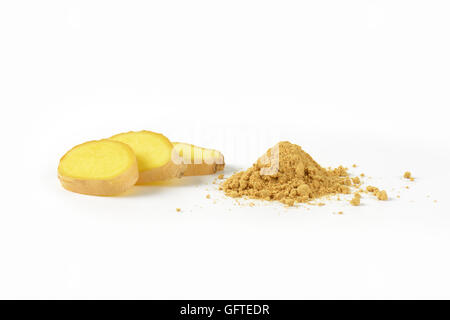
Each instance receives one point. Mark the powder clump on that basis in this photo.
(287, 174)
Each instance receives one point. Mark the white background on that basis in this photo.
(363, 82)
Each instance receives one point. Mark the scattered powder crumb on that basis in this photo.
(354, 166)
(340, 212)
(407, 187)
(178, 210)
(356, 181)
(356, 201)
(295, 177)
(251, 204)
(208, 196)
(382, 195)
(321, 204)
(220, 177)
(407, 175)
(412, 179)
(362, 175)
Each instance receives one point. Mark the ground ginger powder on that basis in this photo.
(292, 176)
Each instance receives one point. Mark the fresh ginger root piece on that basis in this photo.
(100, 168)
(200, 161)
(155, 155)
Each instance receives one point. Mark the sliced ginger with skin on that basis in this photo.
(101, 168)
(199, 161)
(156, 156)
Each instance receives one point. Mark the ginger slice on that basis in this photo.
(101, 168)
(156, 156)
(199, 161)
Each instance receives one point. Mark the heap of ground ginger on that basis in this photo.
(296, 178)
